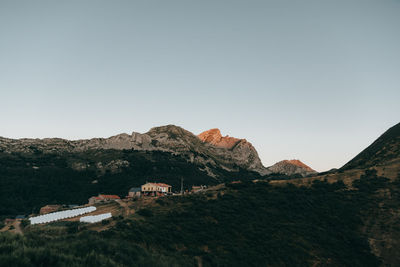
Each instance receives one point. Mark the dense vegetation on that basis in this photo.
(30, 181)
(245, 224)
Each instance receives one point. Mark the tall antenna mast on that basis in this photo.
(182, 186)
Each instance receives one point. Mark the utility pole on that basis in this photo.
(182, 186)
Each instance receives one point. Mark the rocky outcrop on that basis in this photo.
(215, 138)
(292, 167)
(230, 150)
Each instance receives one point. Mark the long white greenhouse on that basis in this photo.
(59, 215)
(95, 218)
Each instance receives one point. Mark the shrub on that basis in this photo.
(105, 222)
(145, 212)
(72, 227)
(160, 201)
(25, 223)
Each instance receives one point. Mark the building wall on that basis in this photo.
(93, 200)
(134, 194)
(149, 187)
(162, 189)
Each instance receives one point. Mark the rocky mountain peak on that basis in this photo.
(214, 137)
(169, 129)
(215, 132)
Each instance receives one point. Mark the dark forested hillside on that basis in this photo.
(246, 224)
(29, 181)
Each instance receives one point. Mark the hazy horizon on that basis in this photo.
(314, 80)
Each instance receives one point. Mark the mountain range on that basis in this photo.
(209, 150)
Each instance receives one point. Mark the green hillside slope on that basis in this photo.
(383, 150)
(242, 225)
(30, 181)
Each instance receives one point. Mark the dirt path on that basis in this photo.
(17, 225)
(5, 228)
(16, 228)
(125, 205)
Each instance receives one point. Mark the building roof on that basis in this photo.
(135, 189)
(109, 196)
(163, 185)
(149, 184)
(158, 184)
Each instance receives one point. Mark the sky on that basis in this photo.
(312, 80)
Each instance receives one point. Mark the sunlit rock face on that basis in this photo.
(215, 138)
(240, 152)
(291, 167)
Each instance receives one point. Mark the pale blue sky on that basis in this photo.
(312, 80)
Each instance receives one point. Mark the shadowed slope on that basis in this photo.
(385, 149)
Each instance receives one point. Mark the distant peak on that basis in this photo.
(168, 129)
(291, 167)
(297, 163)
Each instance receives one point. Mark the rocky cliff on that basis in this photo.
(234, 150)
